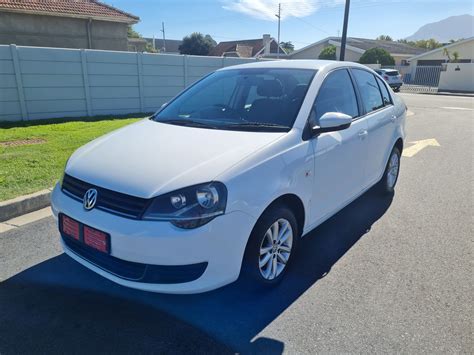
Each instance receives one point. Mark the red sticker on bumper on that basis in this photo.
(96, 239)
(70, 227)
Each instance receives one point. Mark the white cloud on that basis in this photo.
(267, 9)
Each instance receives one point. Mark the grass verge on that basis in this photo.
(27, 168)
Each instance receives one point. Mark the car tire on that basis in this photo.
(390, 175)
(271, 247)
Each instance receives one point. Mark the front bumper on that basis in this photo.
(220, 243)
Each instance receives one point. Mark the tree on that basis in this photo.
(377, 56)
(211, 40)
(288, 47)
(131, 33)
(149, 48)
(454, 58)
(328, 52)
(422, 43)
(384, 38)
(197, 44)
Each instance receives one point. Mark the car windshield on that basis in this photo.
(251, 99)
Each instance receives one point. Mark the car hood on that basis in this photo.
(149, 158)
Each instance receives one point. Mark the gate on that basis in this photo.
(419, 79)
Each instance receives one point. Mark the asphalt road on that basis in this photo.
(383, 275)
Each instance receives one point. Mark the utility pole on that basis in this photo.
(164, 39)
(279, 19)
(344, 31)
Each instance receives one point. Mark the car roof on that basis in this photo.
(388, 69)
(296, 64)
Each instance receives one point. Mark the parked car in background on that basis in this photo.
(392, 77)
(224, 180)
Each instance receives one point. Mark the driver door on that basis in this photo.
(340, 157)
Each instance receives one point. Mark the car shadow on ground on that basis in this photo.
(60, 306)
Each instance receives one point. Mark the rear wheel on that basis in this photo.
(271, 246)
(390, 176)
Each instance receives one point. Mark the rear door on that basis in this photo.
(378, 109)
(340, 156)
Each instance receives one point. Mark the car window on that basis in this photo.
(387, 100)
(218, 93)
(241, 99)
(336, 94)
(369, 90)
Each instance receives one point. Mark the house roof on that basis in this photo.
(442, 48)
(69, 8)
(362, 44)
(231, 46)
(172, 45)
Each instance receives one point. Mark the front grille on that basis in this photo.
(108, 200)
(138, 272)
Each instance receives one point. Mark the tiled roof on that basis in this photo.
(364, 43)
(69, 8)
(231, 46)
(389, 46)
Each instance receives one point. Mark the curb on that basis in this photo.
(448, 93)
(24, 204)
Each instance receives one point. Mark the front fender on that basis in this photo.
(283, 168)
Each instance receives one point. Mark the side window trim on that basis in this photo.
(360, 106)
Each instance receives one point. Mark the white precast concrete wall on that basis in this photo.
(39, 83)
(457, 78)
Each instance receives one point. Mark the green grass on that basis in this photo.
(30, 168)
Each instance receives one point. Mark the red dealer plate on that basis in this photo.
(96, 239)
(70, 227)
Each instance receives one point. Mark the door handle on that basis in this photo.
(393, 118)
(363, 134)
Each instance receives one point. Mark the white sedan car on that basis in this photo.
(392, 77)
(225, 179)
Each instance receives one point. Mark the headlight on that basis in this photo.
(190, 207)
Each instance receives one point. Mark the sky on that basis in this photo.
(303, 21)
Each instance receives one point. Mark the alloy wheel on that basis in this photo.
(392, 173)
(275, 249)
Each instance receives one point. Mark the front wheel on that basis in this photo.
(390, 176)
(271, 246)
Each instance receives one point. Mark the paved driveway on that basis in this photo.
(383, 275)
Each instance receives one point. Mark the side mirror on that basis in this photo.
(332, 121)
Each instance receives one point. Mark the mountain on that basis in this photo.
(454, 27)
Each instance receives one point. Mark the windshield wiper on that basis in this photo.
(258, 125)
(189, 123)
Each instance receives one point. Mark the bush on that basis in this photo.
(377, 56)
(197, 44)
(328, 52)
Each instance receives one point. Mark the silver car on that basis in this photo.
(392, 77)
